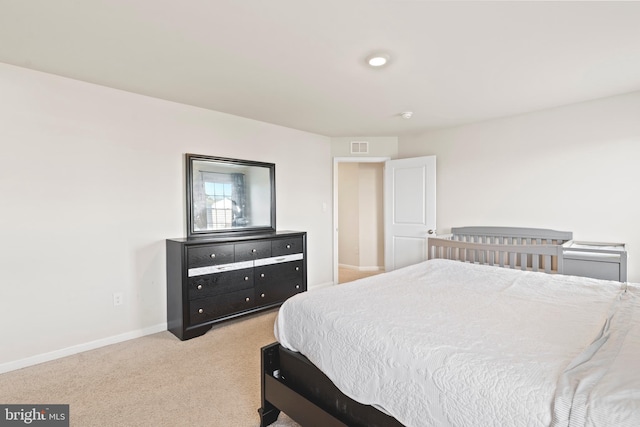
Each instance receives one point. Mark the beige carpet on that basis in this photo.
(157, 380)
(349, 275)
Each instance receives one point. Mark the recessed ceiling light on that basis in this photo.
(407, 114)
(378, 60)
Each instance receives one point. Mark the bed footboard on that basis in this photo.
(269, 365)
(278, 396)
(293, 385)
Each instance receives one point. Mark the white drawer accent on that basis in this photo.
(278, 259)
(201, 271)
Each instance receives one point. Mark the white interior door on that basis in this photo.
(409, 210)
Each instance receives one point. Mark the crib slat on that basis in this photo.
(547, 263)
(493, 251)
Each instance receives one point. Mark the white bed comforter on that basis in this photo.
(444, 343)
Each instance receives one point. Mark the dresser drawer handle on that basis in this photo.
(212, 255)
(254, 251)
(262, 275)
(247, 299)
(199, 286)
(288, 246)
(246, 278)
(262, 295)
(200, 311)
(297, 286)
(297, 268)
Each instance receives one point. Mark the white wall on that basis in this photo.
(348, 215)
(360, 215)
(92, 183)
(574, 168)
(371, 184)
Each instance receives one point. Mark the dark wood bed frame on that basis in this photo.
(293, 385)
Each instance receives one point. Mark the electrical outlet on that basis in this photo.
(117, 298)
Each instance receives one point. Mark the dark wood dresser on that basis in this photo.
(210, 280)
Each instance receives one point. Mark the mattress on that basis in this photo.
(446, 343)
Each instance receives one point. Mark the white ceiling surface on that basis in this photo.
(301, 64)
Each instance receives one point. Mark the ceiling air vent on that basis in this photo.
(359, 147)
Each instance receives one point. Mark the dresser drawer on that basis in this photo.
(220, 268)
(220, 283)
(278, 259)
(252, 250)
(206, 309)
(202, 256)
(277, 282)
(277, 294)
(279, 273)
(292, 245)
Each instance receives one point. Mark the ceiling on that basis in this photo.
(301, 63)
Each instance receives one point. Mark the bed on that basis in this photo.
(446, 342)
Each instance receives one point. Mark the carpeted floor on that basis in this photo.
(157, 380)
(348, 275)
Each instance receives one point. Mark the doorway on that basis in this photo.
(408, 197)
(358, 216)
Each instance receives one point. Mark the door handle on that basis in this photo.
(431, 231)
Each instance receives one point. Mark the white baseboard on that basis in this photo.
(361, 268)
(91, 345)
(321, 285)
